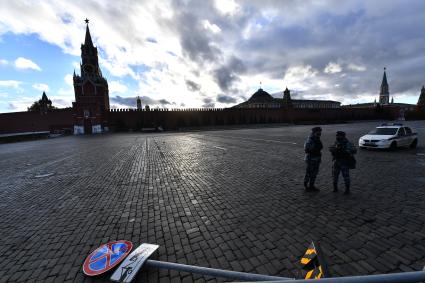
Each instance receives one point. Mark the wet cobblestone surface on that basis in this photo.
(230, 199)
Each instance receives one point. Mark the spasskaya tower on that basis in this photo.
(91, 104)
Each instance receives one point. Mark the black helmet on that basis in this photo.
(316, 129)
(340, 134)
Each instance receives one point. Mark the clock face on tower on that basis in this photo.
(88, 69)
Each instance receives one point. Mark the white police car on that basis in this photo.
(389, 136)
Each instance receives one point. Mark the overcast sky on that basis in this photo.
(213, 53)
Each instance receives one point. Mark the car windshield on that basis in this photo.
(384, 131)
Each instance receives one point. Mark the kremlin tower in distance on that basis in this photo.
(384, 94)
(91, 104)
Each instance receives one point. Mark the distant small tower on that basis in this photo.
(287, 101)
(421, 100)
(139, 103)
(392, 100)
(384, 94)
(45, 103)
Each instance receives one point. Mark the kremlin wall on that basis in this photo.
(62, 120)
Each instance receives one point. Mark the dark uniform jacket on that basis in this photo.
(342, 152)
(312, 148)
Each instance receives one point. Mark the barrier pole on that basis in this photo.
(404, 277)
(235, 275)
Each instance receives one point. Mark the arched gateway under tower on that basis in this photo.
(91, 104)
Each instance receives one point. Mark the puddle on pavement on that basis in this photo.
(218, 147)
(44, 175)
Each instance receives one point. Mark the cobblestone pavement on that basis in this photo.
(230, 199)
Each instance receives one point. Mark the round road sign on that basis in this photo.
(106, 256)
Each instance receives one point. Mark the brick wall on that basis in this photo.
(17, 122)
(124, 119)
(171, 119)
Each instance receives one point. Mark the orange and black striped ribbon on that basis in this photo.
(309, 259)
(314, 262)
(315, 273)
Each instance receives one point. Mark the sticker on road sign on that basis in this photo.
(131, 265)
(105, 257)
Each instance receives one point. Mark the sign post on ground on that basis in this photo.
(106, 257)
(131, 265)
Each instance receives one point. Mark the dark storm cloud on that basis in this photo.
(224, 77)
(196, 45)
(228, 73)
(151, 40)
(192, 86)
(302, 33)
(208, 103)
(164, 102)
(127, 101)
(202, 46)
(225, 99)
(131, 101)
(186, 23)
(271, 37)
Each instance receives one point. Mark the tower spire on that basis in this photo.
(90, 62)
(384, 78)
(384, 94)
(88, 41)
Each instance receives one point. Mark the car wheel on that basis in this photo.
(414, 144)
(393, 145)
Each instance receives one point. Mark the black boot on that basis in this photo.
(306, 186)
(335, 188)
(347, 189)
(312, 188)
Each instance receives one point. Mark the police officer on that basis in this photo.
(343, 160)
(313, 156)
